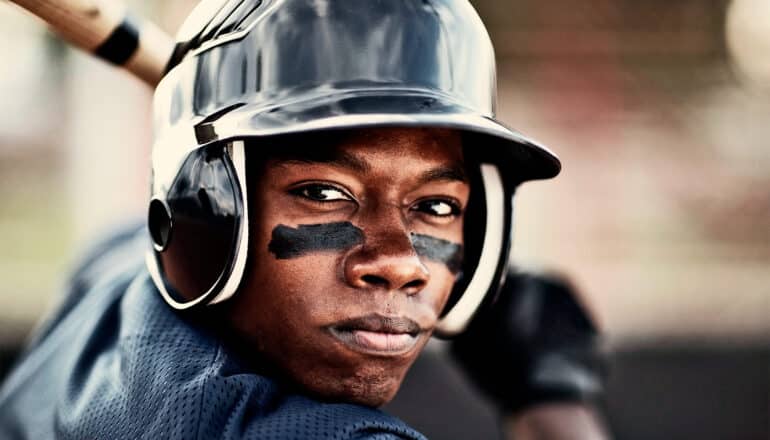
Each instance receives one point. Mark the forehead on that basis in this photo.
(364, 150)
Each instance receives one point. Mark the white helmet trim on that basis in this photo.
(458, 317)
(239, 265)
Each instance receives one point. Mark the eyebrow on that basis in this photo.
(341, 159)
(351, 162)
(444, 173)
(348, 161)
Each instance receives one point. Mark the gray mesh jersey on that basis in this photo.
(115, 362)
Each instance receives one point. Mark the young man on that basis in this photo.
(329, 189)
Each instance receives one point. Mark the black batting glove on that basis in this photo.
(535, 344)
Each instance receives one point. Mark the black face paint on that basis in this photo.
(288, 242)
(439, 250)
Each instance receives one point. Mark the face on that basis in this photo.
(353, 255)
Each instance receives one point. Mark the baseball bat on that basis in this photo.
(104, 28)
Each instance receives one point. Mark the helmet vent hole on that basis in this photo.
(205, 201)
(159, 224)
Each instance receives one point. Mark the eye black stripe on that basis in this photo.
(439, 250)
(288, 242)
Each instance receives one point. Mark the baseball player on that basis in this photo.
(329, 189)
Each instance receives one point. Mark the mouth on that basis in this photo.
(378, 335)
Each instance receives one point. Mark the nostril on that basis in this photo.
(374, 280)
(415, 284)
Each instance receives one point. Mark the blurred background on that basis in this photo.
(660, 111)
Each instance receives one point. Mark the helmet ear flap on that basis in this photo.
(197, 228)
(487, 237)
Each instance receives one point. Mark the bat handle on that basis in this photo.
(104, 28)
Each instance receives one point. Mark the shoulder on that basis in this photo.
(275, 415)
(109, 262)
(121, 248)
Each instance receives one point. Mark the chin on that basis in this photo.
(366, 388)
(373, 394)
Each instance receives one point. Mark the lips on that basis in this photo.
(377, 334)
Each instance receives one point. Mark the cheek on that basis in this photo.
(290, 289)
(277, 312)
(301, 265)
(286, 284)
(441, 283)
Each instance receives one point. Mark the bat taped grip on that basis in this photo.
(121, 44)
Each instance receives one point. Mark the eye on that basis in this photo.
(321, 193)
(438, 208)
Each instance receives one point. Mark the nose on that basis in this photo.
(388, 261)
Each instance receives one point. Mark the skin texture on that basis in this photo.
(391, 184)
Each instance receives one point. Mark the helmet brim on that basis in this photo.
(520, 157)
